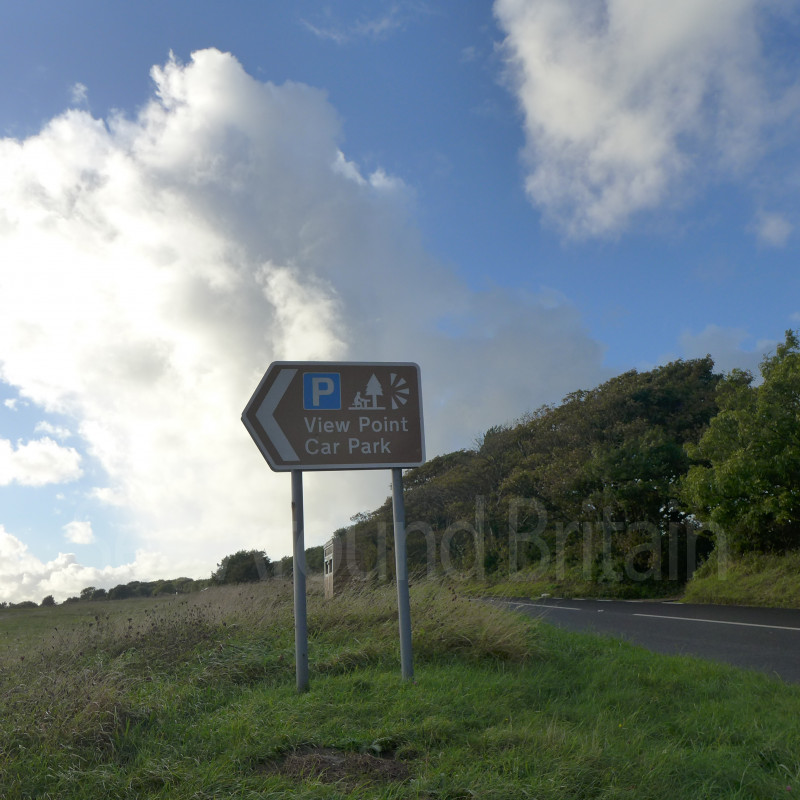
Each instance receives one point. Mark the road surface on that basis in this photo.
(764, 639)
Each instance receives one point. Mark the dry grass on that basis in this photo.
(443, 623)
(76, 685)
(348, 770)
(446, 622)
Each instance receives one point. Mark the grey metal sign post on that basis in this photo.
(299, 576)
(401, 574)
(331, 416)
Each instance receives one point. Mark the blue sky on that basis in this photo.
(526, 197)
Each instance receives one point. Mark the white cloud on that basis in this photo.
(773, 229)
(79, 532)
(388, 17)
(625, 99)
(348, 169)
(23, 576)
(11, 403)
(79, 94)
(380, 180)
(177, 254)
(58, 431)
(38, 463)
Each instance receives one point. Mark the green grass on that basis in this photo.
(571, 582)
(752, 579)
(195, 697)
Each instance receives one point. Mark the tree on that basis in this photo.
(120, 592)
(596, 476)
(315, 557)
(746, 475)
(244, 566)
(285, 567)
(48, 601)
(609, 460)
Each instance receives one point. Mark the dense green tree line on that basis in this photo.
(241, 567)
(746, 475)
(633, 480)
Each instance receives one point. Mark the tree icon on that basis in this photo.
(374, 391)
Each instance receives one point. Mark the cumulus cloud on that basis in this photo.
(79, 532)
(176, 254)
(23, 576)
(624, 99)
(38, 463)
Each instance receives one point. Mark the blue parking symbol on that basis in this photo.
(322, 391)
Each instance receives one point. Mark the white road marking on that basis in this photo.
(542, 605)
(720, 622)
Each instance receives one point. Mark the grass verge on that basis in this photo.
(570, 582)
(195, 698)
(752, 579)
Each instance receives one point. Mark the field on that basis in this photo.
(194, 697)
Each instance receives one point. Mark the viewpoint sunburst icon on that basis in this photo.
(398, 390)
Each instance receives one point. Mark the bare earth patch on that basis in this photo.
(337, 766)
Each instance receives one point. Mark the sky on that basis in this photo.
(526, 197)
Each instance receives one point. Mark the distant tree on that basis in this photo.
(315, 556)
(120, 592)
(285, 567)
(746, 476)
(244, 566)
(100, 594)
(88, 593)
(24, 604)
(185, 585)
(48, 601)
(72, 600)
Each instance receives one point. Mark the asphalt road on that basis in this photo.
(764, 639)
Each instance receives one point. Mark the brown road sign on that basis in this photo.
(325, 416)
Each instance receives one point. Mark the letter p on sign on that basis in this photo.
(322, 391)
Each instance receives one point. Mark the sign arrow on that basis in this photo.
(266, 415)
